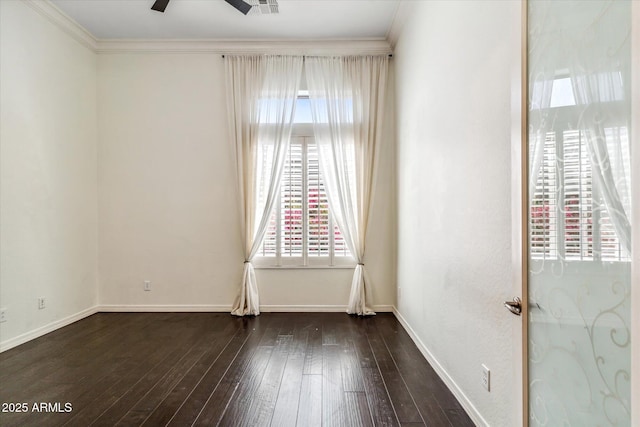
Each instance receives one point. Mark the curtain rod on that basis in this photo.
(390, 55)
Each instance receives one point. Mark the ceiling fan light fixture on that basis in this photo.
(160, 5)
(240, 5)
(264, 7)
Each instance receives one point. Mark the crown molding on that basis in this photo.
(399, 20)
(57, 17)
(288, 47)
(320, 47)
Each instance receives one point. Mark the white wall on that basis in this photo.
(48, 175)
(168, 211)
(132, 148)
(453, 62)
(166, 193)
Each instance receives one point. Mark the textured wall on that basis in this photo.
(168, 211)
(453, 115)
(48, 202)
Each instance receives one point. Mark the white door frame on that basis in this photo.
(519, 189)
(635, 213)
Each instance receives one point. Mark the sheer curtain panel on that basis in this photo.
(595, 91)
(347, 101)
(261, 95)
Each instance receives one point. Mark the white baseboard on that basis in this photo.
(227, 308)
(303, 308)
(316, 308)
(162, 308)
(43, 330)
(442, 373)
(384, 308)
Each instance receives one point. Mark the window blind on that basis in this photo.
(302, 230)
(568, 219)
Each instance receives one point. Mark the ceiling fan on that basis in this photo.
(242, 6)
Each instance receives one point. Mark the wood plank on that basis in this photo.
(33, 351)
(361, 343)
(350, 366)
(263, 401)
(423, 382)
(279, 369)
(432, 412)
(36, 365)
(160, 350)
(182, 393)
(357, 409)
(407, 356)
(69, 384)
(37, 417)
(249, 358)
(333, 405)
(458, 417)
(248, 399)
(313, 356)
(378, 398)
(401, 399)
(195, 402)
(310, 406)
(148, 402)
(285, 412)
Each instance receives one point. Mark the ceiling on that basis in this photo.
(215, 19)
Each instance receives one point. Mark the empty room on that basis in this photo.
(320, 213)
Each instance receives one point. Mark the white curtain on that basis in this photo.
(599, 74)
(541, 121)
(543, 59)
(607, 139)
(261, 98)
(347, 101)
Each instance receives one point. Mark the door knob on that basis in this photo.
(514, 306)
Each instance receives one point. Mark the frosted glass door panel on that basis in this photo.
(579, 60)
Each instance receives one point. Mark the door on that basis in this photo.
(579, 207)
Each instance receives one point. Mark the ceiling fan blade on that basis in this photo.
(160, 5)
(242, 6)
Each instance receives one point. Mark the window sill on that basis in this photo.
(304, 267)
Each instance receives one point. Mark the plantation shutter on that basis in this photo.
(292, 204)
(301, 230)
(568, 219)
(578, 197)
(318, 235)
(543, 230)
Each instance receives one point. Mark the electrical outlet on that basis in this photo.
(486, 378)
(147, 285)
(3, 315)
(41, 303)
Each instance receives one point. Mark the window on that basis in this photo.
(568, 217)
(302, 231)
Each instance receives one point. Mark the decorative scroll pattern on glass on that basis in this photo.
(579, 328)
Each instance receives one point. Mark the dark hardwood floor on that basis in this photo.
(204, 369)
